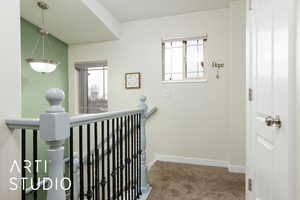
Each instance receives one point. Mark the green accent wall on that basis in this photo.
(34, 84)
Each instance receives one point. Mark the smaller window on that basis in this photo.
(184, 60)
(97, 90)
(92, 87)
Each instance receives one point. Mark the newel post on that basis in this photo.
(145, 179)
(54, 130)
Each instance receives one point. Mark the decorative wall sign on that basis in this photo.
(218, 66)
(133, 80)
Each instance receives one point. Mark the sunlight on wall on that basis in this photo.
(196, 116)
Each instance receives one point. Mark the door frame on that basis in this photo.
(291, 99)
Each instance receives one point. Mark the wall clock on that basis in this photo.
(133, 80)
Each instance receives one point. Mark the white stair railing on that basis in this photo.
(54, 128)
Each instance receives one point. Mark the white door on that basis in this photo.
(272, 79)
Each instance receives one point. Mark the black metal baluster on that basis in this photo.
(128, 156)
(96, 161)
(118, 161)
(93, 176)
(99, 173)
(140, 154)
(108, 160)
(114, 170)
(135, 157)
(126, 150)
(35, 170)
(23, 157)
(88, 169)
(103, 181)
(121, 161)
(71, 165)
(81, 164)
(132, 159)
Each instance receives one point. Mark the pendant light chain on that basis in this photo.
(35, 46)
(43, 31)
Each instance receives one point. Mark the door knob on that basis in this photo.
(271, 121)
(277, 121)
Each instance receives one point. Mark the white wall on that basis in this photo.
(193, 118)
(298, 101)
(10, 87)
(237, 84)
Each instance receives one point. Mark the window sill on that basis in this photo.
(186, 81)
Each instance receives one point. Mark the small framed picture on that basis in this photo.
(133, 80)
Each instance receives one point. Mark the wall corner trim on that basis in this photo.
(197, 161)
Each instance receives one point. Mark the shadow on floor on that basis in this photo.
(173, 181)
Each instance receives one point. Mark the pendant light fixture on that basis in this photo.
(42, 64)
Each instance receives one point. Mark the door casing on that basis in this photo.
(291, 101)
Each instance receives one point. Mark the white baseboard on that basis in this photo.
(198, 161)
(236, 169)
(191, 160)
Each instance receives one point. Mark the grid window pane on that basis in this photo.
(195, 59)
(177, 60)
(173, 60)
(168, 76)
(168, 61)
(178, 44)
(184, 60)
(168, 45)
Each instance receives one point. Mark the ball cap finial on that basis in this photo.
(55, 96)
(143, 98)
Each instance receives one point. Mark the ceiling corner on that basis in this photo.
(105, 16)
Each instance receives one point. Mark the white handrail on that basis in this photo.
(151, 112)
(90, 118)
(23, 123)
(34, 123)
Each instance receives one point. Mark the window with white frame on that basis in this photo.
(184, 59)
(92, 87)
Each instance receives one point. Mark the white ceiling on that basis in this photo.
(70, 20)
(128, 10)
(83, 21)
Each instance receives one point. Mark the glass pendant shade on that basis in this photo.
(42, 65)
(38, 64)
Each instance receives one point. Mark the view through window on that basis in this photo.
(183, 59)
(92, 87)
(97, 90)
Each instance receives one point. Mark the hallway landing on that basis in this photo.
(173, 181)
